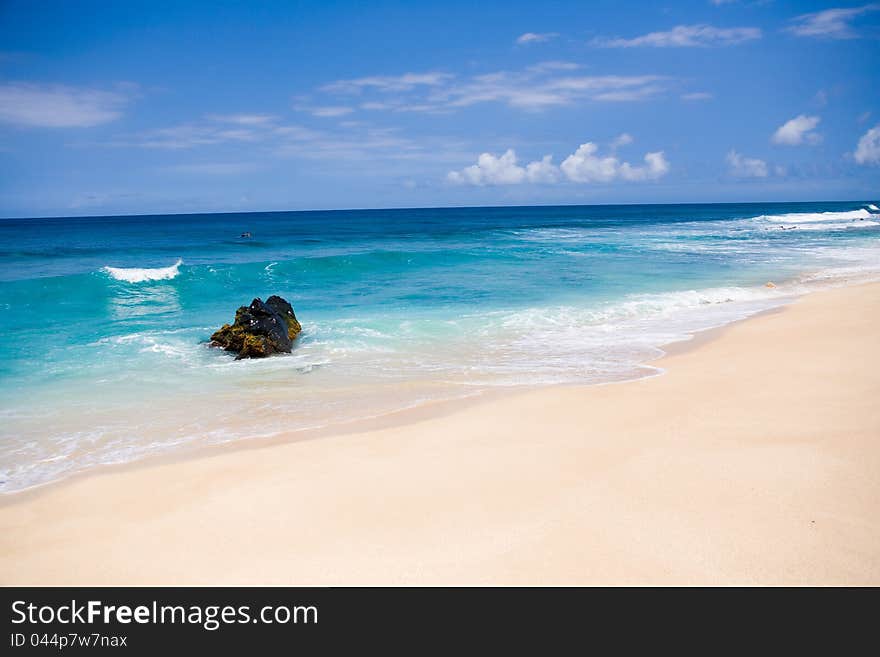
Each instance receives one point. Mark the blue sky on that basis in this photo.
(110, 107)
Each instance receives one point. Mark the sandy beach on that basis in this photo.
(753, 460)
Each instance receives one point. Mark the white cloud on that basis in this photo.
(868, 149)
(697, 95)
(524, 91)
(536, 87)
(330, 111)
(403, 82)
(623, 139)
(535, 37)
(583, 166)
(551, 66)
(797, 131)
(656, 166)
(629, 95)
(56, 106)
(830, 23)
(491, 170)
(542, 171)
(685, 36)
(746, 167)
(243, 119)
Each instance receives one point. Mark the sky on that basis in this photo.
(176, 107)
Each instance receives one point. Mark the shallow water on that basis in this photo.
(105, 357)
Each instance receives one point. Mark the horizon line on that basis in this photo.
(404, 208)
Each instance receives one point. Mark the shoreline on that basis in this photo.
(392, 419)
(792, 290)
(743, 463)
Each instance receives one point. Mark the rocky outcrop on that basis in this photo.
(259, 330)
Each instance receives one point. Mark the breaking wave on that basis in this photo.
(141, 275)
(862, 218)
(811, 217)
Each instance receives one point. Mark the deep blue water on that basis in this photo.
(104, 357)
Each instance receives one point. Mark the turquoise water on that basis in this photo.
(105, 359)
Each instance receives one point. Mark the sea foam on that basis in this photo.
(811, 217)
(862, 218)
(141, 275)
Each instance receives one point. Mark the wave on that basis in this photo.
(835, 225)
(873, 208)
(812, 217)
(643, 313)
(140, 275)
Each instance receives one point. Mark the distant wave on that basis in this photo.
(861, 218)
(810, 217)
(873, 208)
(139, 275)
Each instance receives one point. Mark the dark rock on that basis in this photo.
(259, 330)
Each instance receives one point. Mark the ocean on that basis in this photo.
(105, 359)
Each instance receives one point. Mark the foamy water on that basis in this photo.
(109, 357)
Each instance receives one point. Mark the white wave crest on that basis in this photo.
(845, 220)
(812, 217)
(873, 208)
(139, 275)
